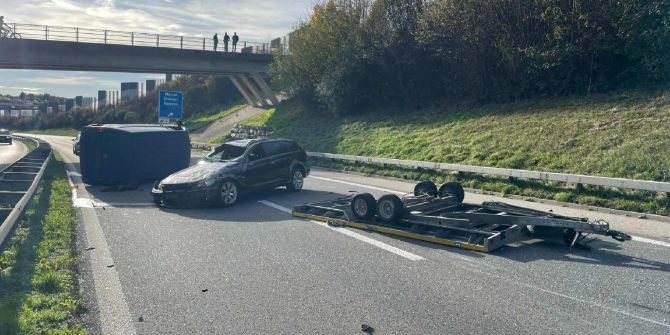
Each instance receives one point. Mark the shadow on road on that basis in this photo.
(600, 252)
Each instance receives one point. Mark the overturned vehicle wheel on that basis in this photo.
(364, 206)
(425, 188)
(452, 189)
(390, 208)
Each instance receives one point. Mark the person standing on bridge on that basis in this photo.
(235, 39)
(226, 39)
(216, 41)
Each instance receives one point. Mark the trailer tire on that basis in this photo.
(452, 188)
(425, 187)
(364, 206)
(390, 208)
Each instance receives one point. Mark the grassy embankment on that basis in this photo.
(38, 266)
(623, 135)
(197, 123)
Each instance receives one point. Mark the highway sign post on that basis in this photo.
(170, 106)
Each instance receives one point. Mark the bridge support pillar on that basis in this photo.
(245, 93)
(265, 88)
(254, 91)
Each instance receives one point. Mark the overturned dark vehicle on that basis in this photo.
(234, 168)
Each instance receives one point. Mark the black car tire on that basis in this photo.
(297, 180)
(228, 193)
(425, 187)
(452, 188)
(364, 206)
(390, 208)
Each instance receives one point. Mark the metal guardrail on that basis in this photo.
(645, 185)
(101, 36)
(18, 183)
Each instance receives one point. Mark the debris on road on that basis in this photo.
(367, 329)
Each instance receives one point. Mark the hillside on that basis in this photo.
(622, 134)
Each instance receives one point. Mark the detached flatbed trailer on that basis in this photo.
(440, 216)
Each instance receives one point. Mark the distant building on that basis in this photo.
(102, 99)
(16, 113)
(61, 108)
(87, 102)
(78, 100)
(69, 105)
(54, 106)
(129, 92)
(150, 85)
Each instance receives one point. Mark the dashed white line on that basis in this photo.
(378, 244)
(359, 185)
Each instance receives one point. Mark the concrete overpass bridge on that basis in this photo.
(76, 49)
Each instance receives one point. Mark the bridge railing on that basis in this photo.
(101, 36)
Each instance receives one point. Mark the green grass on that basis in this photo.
(38, 266)
(194, 124)
(56, 131)
(615, 135)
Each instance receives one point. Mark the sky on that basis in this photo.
(258, 20)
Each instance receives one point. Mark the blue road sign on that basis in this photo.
(170, 106)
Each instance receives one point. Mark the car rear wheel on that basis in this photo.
(229, 193)
(297, 181)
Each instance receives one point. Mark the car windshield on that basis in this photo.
(226, 152)
(4, 132)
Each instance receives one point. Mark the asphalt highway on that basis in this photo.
(254, 269)
(10, 153)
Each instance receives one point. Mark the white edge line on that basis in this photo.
(378, 244)
(635, 238)
(650, 241)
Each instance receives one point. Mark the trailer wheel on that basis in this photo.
(364, 206)
(425, 188)
(452, 188)
(390, 208)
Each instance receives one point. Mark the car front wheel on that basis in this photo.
(297, 180)
(229, 193)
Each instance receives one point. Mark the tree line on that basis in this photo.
(358, 54)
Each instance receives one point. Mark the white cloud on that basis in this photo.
(72, 80)
(22, 89)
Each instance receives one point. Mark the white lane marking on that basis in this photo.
(650, 241)
(378, 244)
(635, 238)
(587, 302)
(359, 185)
(114, 314)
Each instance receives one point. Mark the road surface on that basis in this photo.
(254, 269)
(11, 153)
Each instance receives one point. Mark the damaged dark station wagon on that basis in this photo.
(233, 168)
